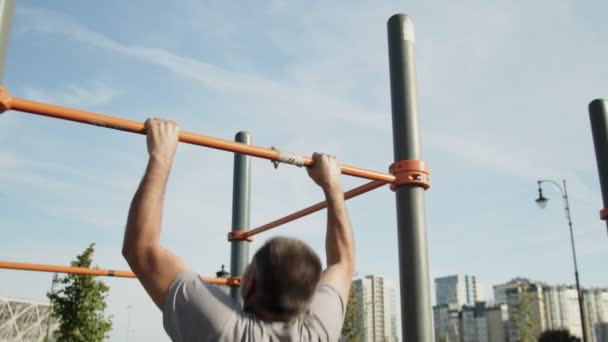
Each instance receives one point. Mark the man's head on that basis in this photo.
(281, 279)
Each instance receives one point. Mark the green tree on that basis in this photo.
(352, 327)
(561, 335)
(79, 305)
(523, 312)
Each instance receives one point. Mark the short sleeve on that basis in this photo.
(327, 307)
(196, 311)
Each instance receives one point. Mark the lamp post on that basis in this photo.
(542, 203)
(223, 274)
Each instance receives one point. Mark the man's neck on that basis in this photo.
(266, 315)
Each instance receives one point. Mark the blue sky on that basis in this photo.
(503, 91)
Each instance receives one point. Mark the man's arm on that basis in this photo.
(154, 266)
(339, 244)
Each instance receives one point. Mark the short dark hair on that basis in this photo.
(286, 272)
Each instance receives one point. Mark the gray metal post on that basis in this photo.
(411, 225)
(6, 13)
(241, 194)
(581, 305)
(598, 114)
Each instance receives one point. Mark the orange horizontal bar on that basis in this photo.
(313, 208)
(98, 272)
(58, 112)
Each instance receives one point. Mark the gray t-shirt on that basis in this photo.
(197, 311)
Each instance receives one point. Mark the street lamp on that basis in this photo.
(223, 274)
(541, 200)
(542, 203)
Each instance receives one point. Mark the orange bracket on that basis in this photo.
(410, 172)
(604, 214)
(233, 281)
(239, 235)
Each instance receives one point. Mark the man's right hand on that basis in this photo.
(162, 138)
(339, 244)
(325, 171)
(155, 266)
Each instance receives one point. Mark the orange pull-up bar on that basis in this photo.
(231, 281)
(27, 106)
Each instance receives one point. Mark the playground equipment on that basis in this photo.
(408, 177)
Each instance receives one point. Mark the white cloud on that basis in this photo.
(286, 97)
(301, 101)
(75, 95)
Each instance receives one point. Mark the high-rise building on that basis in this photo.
(446, 318)
(457, 289)
(479, 323)
(378, 318)
(497, 317)
(473, 323)
(562, 309)
(526, 311)
(600, 332)
(500, 291)
(596, 313)
(468, 326)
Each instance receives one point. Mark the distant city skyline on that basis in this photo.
(494, 320)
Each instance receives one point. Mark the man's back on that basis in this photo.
(196, 311)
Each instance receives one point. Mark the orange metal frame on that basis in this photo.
(232, 281)
(406, 172)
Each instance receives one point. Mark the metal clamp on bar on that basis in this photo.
(239, 235)
(604, 214)
(287, 158)
(233, 281)
(410, 172)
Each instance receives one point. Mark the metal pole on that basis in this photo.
(598, 114)
(7, 8)
(411, 225)
(241, 194)
(578, 286)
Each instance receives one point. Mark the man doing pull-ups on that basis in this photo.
(286, 294)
